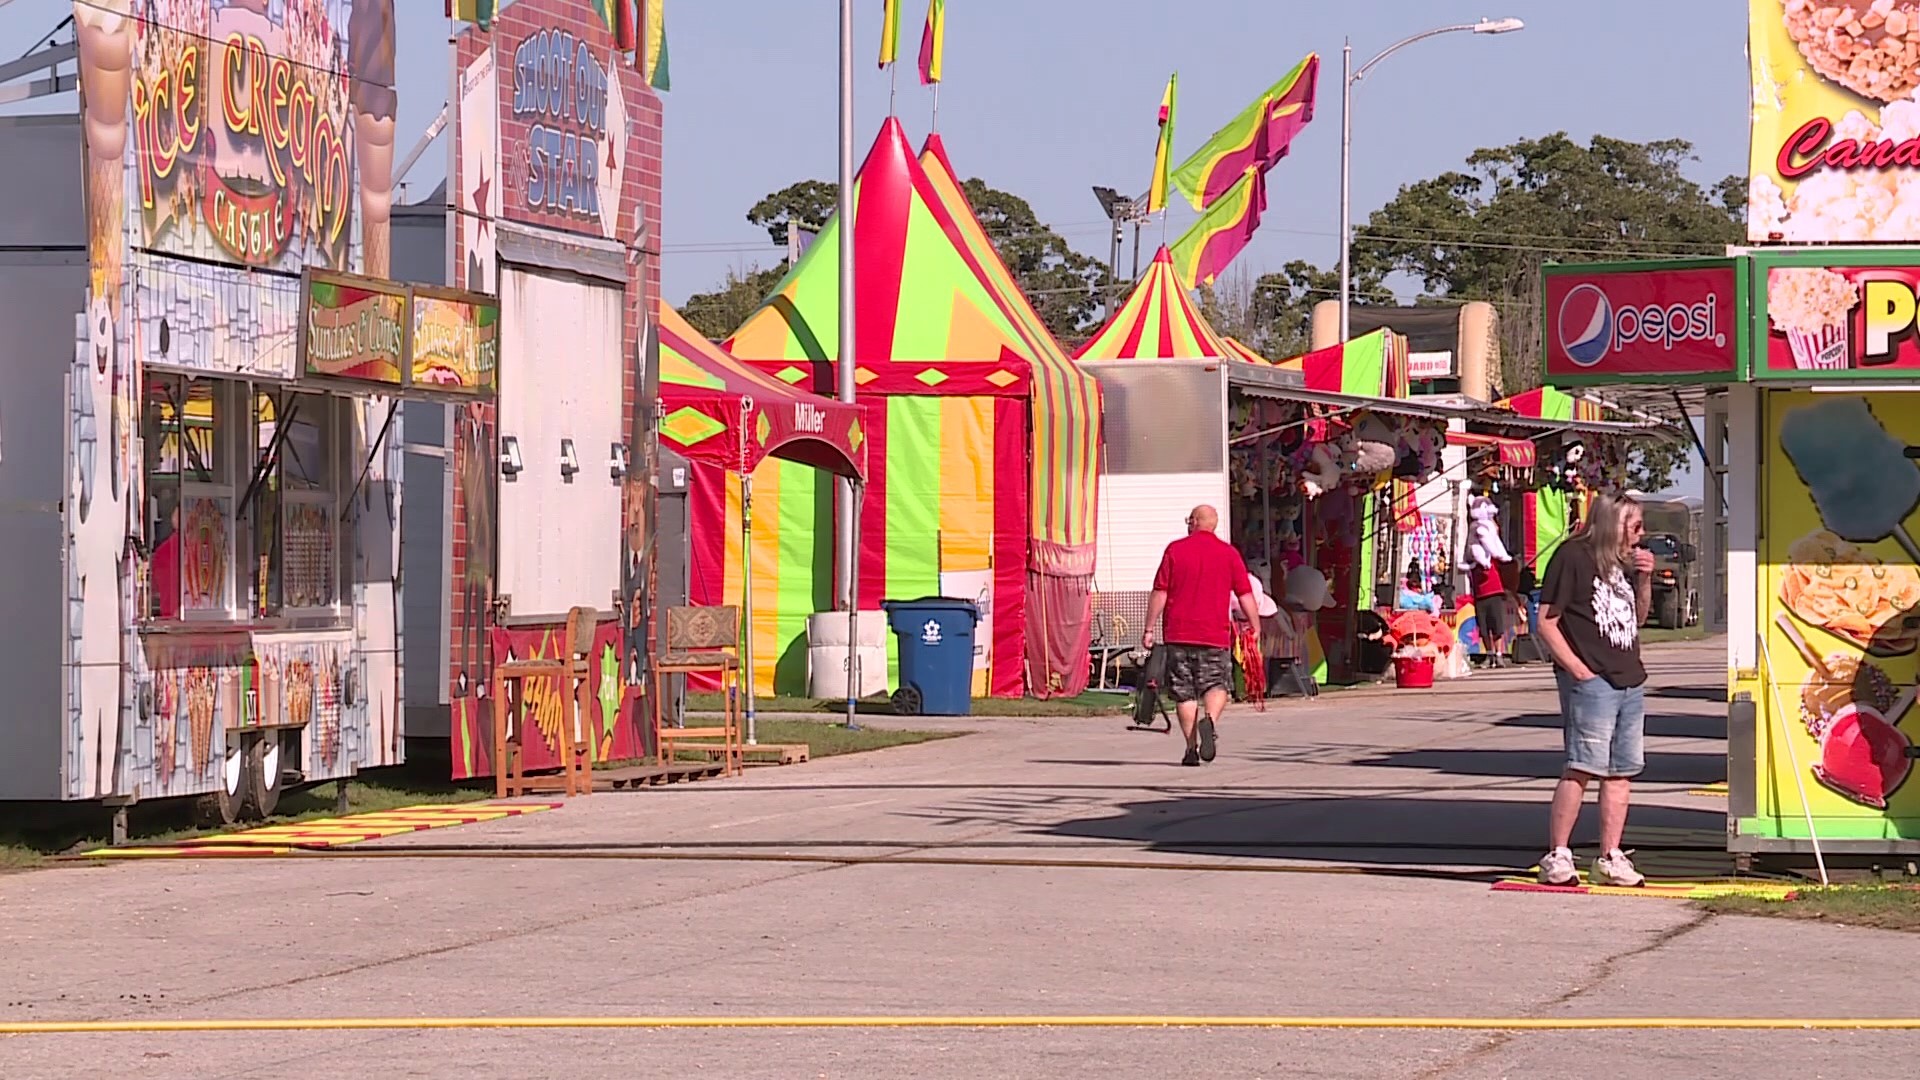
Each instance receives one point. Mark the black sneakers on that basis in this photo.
(1206, 738)
(1192, 758)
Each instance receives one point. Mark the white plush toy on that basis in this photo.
(1485, 548)
(1323, 475)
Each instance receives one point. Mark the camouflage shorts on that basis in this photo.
(1192, 670)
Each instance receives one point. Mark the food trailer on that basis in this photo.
(200, 505)
(1812, 436)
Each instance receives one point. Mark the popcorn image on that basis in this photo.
(1871, 47)
(1843, 206)
(1811, 305)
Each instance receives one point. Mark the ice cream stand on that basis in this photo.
(1813, 430)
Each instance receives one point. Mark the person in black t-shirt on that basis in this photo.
(1596, 594)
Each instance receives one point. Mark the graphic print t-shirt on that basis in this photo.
(1597, 614)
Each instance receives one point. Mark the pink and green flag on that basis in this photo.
(1257, 138)
(933, 42)
(1222, 231)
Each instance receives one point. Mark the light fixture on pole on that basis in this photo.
(1120, 210)
(1348, 77)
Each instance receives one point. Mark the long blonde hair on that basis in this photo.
(1605, 529)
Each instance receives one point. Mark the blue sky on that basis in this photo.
(1046, 99)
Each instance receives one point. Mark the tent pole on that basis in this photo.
(746, 596)
(848, 558)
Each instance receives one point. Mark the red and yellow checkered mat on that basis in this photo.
(1687, 874)
(328, 832)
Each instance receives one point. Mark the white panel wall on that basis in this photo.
(1140, 514)
(559, 537)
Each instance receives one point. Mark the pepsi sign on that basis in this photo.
(1618, 322)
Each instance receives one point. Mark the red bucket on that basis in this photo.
(1413, 672)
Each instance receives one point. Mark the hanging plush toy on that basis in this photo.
(1485, 549)
(1322, 473)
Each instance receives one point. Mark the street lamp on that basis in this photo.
(1348, 77)
(1120, 210)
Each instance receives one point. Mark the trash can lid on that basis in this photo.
(948, 603)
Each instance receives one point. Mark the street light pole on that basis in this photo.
(847, 556)
(1348, 77)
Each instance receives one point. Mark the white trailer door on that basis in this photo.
(560, 379)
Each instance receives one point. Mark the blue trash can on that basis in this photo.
(936, 654)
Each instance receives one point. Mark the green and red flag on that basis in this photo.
(933, 42)
(890, 34)
(1163, 153)
(608, 12)
(1222, 231)
(650, 52)
(1260, 136)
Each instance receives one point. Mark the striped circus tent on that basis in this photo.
(1158, 321)
(1242, 352)
(1546, 514)
(980, 438)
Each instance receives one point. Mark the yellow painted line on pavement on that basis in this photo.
(1468, 1023)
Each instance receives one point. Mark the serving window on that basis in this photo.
(244, 485)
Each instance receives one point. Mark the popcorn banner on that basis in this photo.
(1835, 132)
(1832, 316)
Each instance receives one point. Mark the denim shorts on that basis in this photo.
(1605, 728)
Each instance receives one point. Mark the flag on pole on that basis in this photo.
(473, 11)
(608, 12)
(1259, 136)
(1222, 232)
(1163, 153)
(890, 34)
(652, 52)
(933, 42)
(626, 29)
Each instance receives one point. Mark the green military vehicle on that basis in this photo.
(1673, 535)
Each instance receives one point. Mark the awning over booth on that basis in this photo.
(1515, 452)
(721, 412)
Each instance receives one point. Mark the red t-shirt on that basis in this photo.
(1486, 582)
(1195, 573)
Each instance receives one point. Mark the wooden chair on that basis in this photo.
(702, 640)
(569, 669)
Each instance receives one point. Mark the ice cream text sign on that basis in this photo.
(1836, 316)
(1681, 320)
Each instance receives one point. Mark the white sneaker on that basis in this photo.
(1557, 868)
(1616, 869)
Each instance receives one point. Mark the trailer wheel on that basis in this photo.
(263, 768)
(226, 803)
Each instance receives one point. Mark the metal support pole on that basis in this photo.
(1346, 184)
(849, 510)
(1113, 269)
(746, 592)
(1136, 249)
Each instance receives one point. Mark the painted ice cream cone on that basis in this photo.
(370, 45)
(104, 32)
(200, 716)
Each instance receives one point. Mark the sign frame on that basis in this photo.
(303, 371)
(1740, 333)
(484, 391)
(1764, 261)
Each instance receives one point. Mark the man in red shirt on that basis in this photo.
(1195, 573)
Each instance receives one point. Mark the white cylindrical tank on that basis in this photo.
(827, 654)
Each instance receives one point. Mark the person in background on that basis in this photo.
(1490, 612)
(1414, 595)
(163, 574)
(1195, 571)
(1598, 588)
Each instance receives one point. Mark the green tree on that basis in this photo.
(808, 203)
(719, 313)
(1486, 232)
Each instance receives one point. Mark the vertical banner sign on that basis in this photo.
(1836, 121)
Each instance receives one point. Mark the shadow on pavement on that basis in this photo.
(1717, 694)
(1659, 725)
(1662, 768)
(1432, 832)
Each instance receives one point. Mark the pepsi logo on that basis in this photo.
(1586, 324)
(1590, 325)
